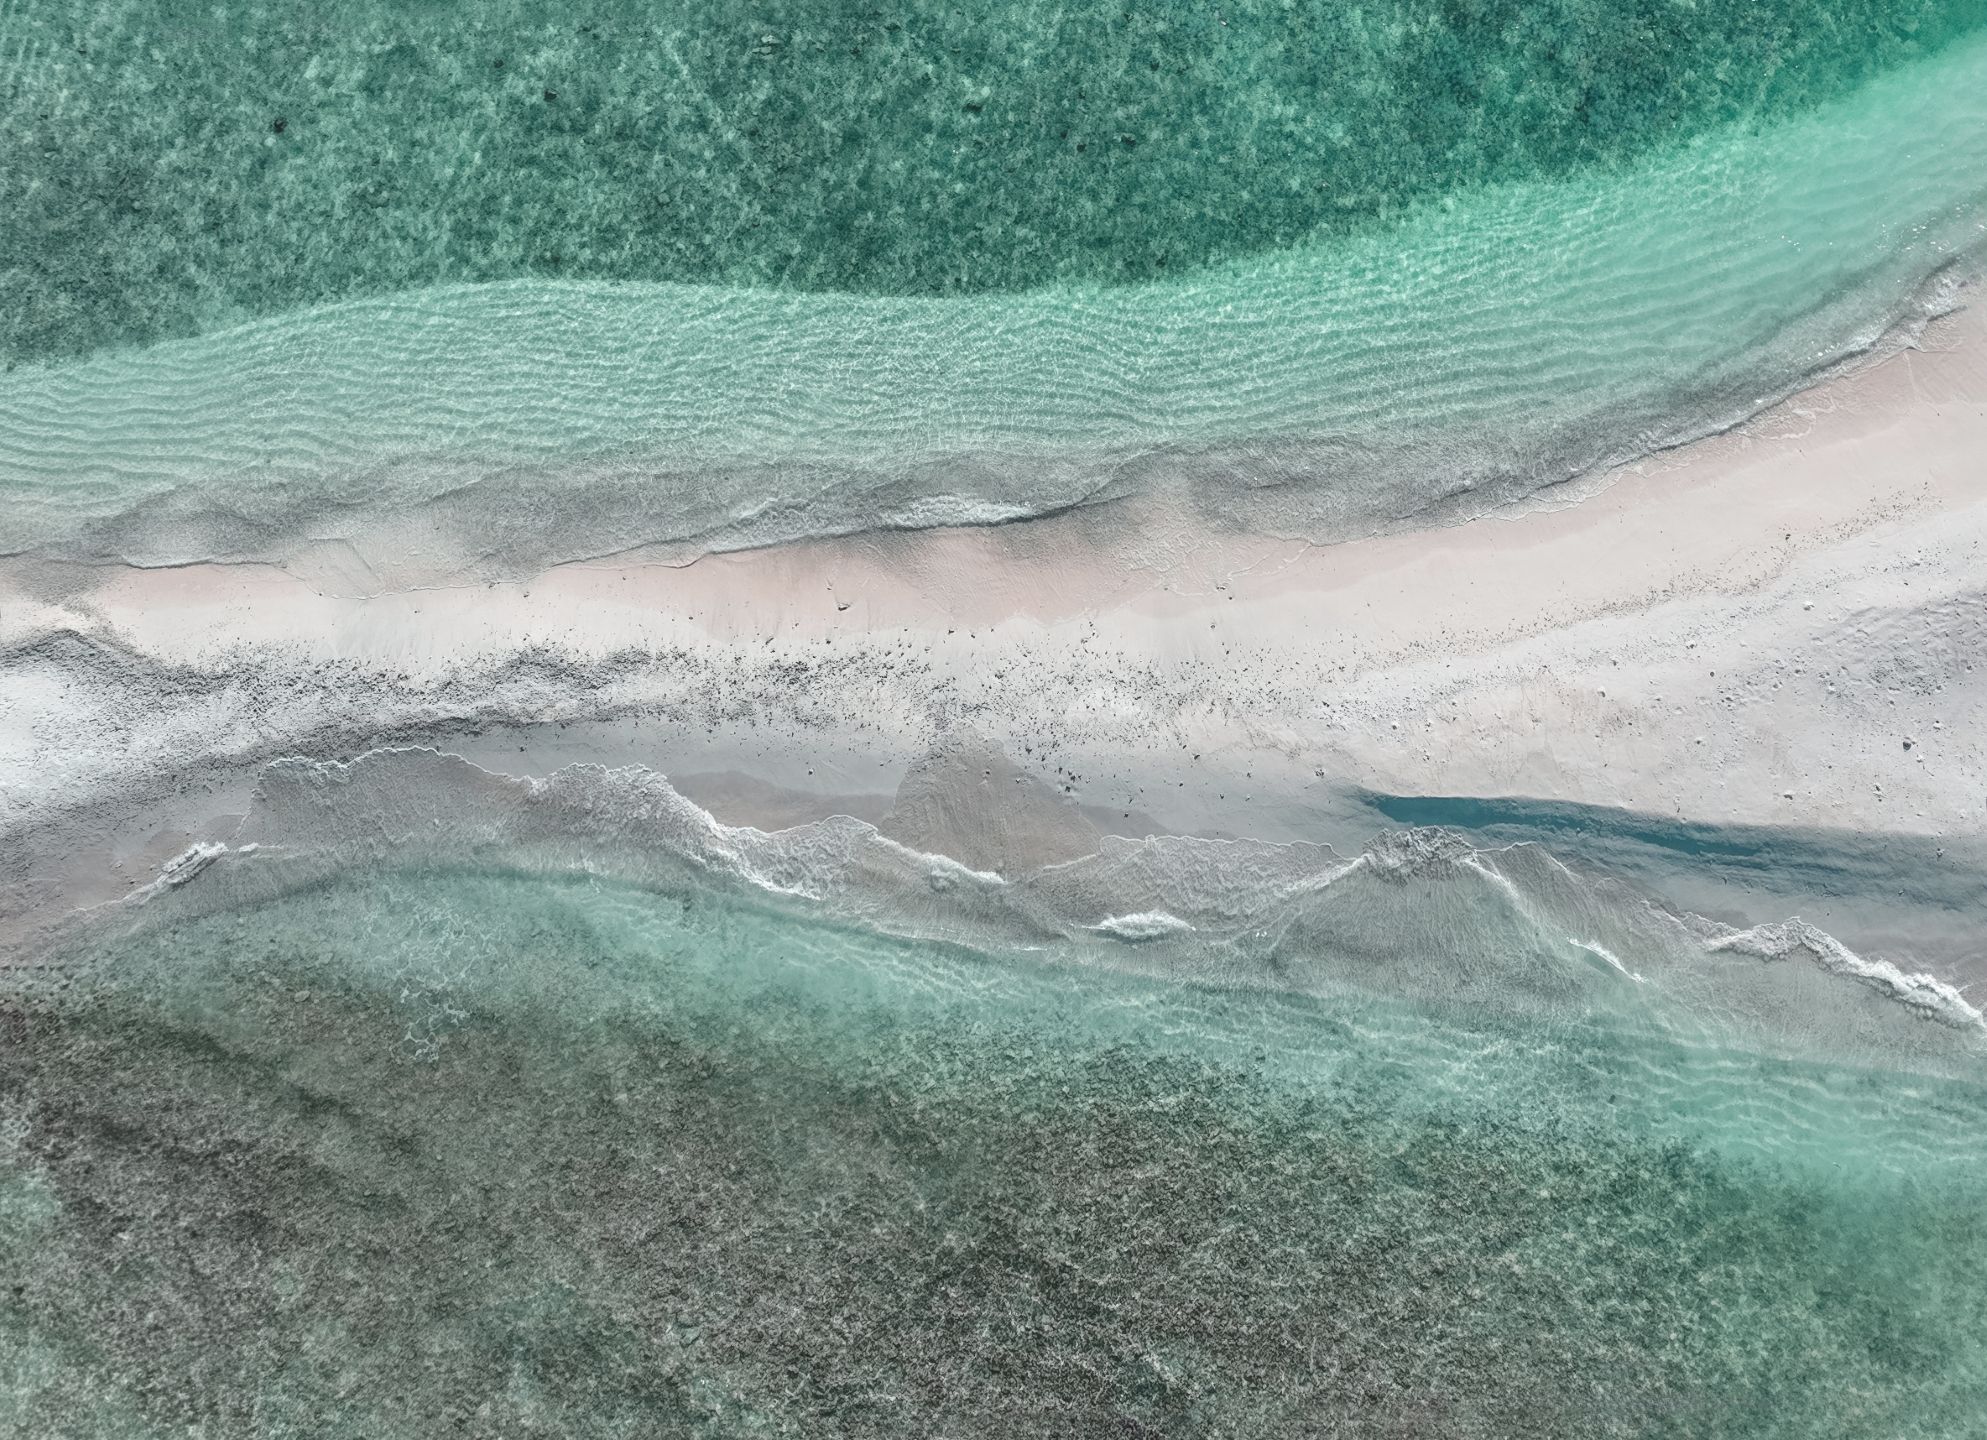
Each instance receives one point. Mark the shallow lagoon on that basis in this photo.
(473, 1152)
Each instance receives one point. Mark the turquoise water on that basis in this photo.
(422, 1151)
(1507, 317)
(177, 166)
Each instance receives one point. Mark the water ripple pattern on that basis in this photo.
(1477, 350)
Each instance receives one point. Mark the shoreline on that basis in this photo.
(1766, 628)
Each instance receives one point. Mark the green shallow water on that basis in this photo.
(455, 1152)
(1426, 370)
(177, 166)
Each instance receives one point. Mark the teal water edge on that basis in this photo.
(417, 1150)
(1503, 337)
(177, 166)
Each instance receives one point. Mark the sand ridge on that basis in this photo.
(1775, 627)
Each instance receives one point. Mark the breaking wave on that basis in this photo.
(1421, 915)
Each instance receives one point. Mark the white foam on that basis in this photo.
(180, 869)
(1781, 940)
(1145, 925)
(1594, 947)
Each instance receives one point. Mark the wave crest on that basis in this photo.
(1419, 914)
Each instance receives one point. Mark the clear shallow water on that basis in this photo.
(1502, 337)
(422, 1151)
(173, 167)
